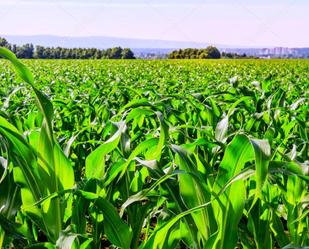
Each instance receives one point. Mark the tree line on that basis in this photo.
(28, 51)
(228, 55)
(210, 52)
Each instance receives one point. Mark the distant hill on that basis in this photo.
(102, 42)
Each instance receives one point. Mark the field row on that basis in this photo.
(154, 154)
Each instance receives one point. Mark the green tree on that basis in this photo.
(203, 55)
(193, 53)
(115, 53)
(127, 54)
(4, 43)
(39, 52)
(25, 51)
(213, 52)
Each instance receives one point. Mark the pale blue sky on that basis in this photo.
(232, 22)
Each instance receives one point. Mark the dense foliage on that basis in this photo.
(154, 154)
(210, 52)
(228, 55)
(28, 51)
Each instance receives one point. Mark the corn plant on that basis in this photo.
(143, 163)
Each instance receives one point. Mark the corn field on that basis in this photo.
(154, 154)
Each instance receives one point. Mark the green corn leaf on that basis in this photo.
(192, 190)
(95, 162)
(262, 158)
(23, 72)
(66, 239)
(163, 137)
(42, 246)
(52, 161)
(229, 207)
(117, 230)
(221, 129)
(142, 195)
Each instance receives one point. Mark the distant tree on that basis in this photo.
(4, 43)
(193, 53)
(47, 53)
(62, 53)
(235, 56)
(127, 54)
(25, 51)
(13, 48)
(115, 53)
(203, 55)
(57, 53)
(39, 52)
(213, 52)
(98, 54)
(67, 53)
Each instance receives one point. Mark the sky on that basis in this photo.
(232, 22)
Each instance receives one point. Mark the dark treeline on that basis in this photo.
(205, 53)
(193, 53)
(28, 51)
(236, 56)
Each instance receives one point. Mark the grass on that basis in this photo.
(154, 154)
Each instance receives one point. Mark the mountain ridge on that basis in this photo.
(102, 42)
